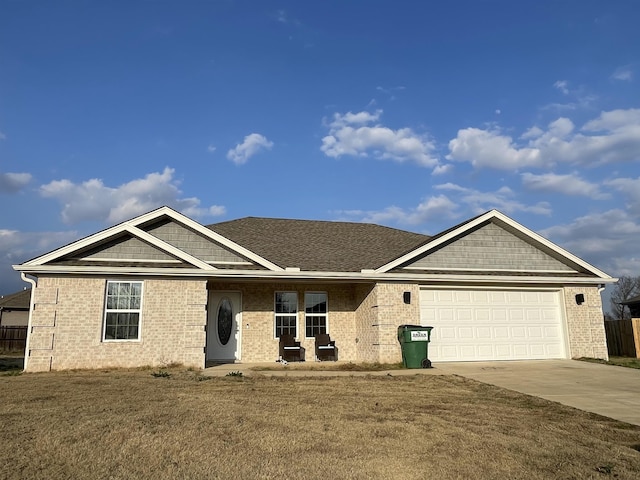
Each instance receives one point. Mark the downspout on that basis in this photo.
(33, 292)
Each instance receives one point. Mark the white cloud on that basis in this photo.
(578, 98)
(613, 136)
(624, 74)
(502, 199)
(211, 149)
(442, 169)
(433, 208)
(607, 240)
(615, 120)
(488, 148)
(630, 187)
(563, 86)
(2, 136)
(94, 201)
(17, 247)
(350, 134)
(13, 182)
(253, 143)
(565, 184)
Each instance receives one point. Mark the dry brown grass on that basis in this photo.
(629, 362)
(130, 424)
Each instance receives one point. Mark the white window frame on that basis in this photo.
(108, 310)
(277, 315)
(325, 314)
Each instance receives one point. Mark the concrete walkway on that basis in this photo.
(603, 389)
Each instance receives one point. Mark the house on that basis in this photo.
(634, 306)
(14, 309)
(163, 288)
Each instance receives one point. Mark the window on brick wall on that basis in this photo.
(286, 314)
(123, 304)
(315, 313)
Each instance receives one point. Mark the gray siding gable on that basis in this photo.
(125, 248)
(128, 248)
(194, 243)
(491, 247)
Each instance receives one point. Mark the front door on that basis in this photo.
(223, 326)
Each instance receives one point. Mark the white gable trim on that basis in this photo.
(131, 226)
(481, 219)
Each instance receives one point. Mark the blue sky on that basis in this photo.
(415, 115)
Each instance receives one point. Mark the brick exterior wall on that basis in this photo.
(67, 322)
(257, 329)
(585, 323)
(380, 311)
(363, 319)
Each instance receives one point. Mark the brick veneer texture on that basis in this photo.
(585, 323)
(363, 319)
(67, 334)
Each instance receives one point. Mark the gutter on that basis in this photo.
(295, 274)
(33, 292)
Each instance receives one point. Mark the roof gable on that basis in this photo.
(489, 247)
(492, 242)
(161, 235)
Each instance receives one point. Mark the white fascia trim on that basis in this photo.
(557, 272)
(483, 218)
(289, 275)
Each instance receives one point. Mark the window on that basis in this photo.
(122, 311)
(315, 309)
(286, 314)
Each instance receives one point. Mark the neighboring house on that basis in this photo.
(162, 288)
(14, 309)
(634, 306)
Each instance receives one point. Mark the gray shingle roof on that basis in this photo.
(16, 300)
(635, 299)
(315, 245)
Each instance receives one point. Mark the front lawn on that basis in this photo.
(179, 424)
(619, 361)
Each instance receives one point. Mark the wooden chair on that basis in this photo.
(326, 348)
(290, 349)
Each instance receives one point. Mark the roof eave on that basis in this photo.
(308, 275)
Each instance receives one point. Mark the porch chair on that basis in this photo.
(290, 349)
(326, 348)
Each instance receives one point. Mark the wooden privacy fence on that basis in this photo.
(623, 337)
(13, 338)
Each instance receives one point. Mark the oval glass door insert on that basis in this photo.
(225, 320)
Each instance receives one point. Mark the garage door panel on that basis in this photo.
(478, 324)
(483, 332)
(535, 332)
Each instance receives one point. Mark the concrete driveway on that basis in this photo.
(603, 389)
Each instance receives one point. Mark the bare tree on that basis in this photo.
(626, 288)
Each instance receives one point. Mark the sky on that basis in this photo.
(415, 115)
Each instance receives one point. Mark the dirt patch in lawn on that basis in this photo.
(134, 424)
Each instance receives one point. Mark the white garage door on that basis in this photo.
(493, 324)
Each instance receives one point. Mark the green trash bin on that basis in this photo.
(414, 342)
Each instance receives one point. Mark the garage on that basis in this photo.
(491, 324)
